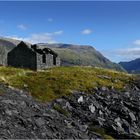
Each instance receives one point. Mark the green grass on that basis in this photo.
(61, 110)
(101, 132)
(1, 92)
(61, 81)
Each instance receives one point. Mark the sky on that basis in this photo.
(111, 27)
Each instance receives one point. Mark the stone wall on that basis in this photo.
(3, 56)
(22, 57)
(49, 61)
(58, 61)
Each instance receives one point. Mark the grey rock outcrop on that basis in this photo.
(22, 117)
(79, 116)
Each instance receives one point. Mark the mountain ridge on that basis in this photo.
(84, 55)
(70, 54)
(132, 66)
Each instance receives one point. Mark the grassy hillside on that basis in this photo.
(82, 55)
(61, 81)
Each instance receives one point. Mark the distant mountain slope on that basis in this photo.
(132, 66)
(5, 46)
(70, 54)
(81, 55)
(9, 44)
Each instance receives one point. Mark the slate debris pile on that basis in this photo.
(22, 117)
(118, 113)
(80, 116)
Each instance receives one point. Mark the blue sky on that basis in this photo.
(111, 27)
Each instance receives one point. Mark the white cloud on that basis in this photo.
(137, 42)
(15, 37)
(130, 52)
(87, 31)
(127, 53)
(50, 19)
(58, 32)
(21, 27)
(40, 37)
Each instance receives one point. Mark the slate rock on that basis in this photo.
(23, 117)
(83, 128)
(92, 108)
(132, 116)
(80, 99)
(103, 88)
(39, 122)
(68, 106)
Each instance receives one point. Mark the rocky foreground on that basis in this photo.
(97, 115)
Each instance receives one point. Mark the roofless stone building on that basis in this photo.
(32, 57)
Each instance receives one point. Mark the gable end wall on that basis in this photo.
(22, 57)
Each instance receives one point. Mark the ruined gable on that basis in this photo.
(32, 57)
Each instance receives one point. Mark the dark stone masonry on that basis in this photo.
(35, 58)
